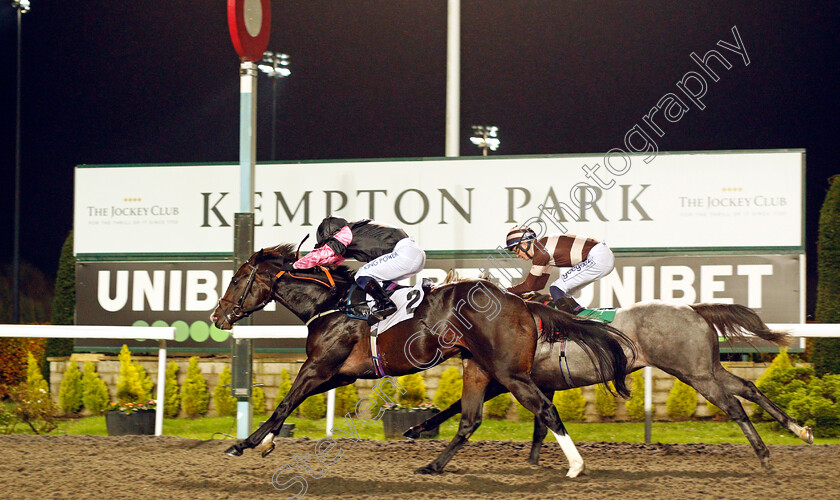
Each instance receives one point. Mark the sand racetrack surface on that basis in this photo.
(168, 467)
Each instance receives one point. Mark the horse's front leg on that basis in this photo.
(315, 376)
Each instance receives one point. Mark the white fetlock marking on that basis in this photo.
(571, 452)
(267, 440)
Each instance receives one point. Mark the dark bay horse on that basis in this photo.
(681, 340)
(493, 332)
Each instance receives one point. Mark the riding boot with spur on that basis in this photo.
(383, 306)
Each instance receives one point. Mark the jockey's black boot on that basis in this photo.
(383, 306)
(576, 308)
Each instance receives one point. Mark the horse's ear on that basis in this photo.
(297, 252)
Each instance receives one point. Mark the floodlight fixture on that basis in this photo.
(22, 5)
(275, 65)
(486, 137)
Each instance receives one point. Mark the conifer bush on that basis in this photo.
(346, 398)
(449, 389)
(33, 405)
(222, 398)
(133, 385)
(257, 398)
(497, 408)
(95, 395)
(571, 404)
(523, 413)
(384, 392)
(825, 352)
(605, 402)
(682, 401)
(194, 396)
(64, 299)
(415, 389)
(284, 387)
(636, 404)
(70, 392)
(314, 407)
(171, 392)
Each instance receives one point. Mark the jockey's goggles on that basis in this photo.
(513, 245)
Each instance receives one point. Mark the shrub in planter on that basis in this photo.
(415, 389)
(346, 398)
(70, 391)
(571, 404)
(605, 402)
(397, 419)
(194, 396)
(313, 407)
(95, 395)
(222, 398)
(133, 385)
(780, 382)
(449, 389)
(497, 407)
(171, 395)
(636, 404)
(682, 401)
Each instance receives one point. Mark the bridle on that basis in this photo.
(237, 310)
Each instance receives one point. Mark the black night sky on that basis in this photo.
(157, 82)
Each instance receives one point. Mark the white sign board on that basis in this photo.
(695, 201)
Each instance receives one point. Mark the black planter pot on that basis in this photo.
(122, 424)
(398, 421)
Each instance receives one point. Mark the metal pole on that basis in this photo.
(16, 238)
(453, 77)
(274, 119)
(161, 387)
(242, 350)
(648, 403)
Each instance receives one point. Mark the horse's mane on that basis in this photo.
(288, 253)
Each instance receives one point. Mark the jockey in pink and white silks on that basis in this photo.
(588, 259)
(390, 254)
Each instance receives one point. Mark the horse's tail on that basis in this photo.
(603, 344)
(734, 320)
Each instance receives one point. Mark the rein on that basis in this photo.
(330, 279)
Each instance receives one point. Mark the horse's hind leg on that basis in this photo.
(747, 390)
(527, 393)
(721, 397)
(493, 390)
(472, 403)
(540, 430)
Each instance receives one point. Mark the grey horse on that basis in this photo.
(681, 340)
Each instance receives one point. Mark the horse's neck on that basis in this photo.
(307, 301)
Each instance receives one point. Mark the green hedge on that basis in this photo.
(825, 353)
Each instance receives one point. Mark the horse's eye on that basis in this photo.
(233, 281)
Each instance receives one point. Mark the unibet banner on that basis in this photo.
(183, 294)
(688, 201)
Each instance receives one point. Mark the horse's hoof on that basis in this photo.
(267, 445)
(233, 451)
(534, 461)
(266, 450)
(428, 470)
(412, 433)
(807, 435)
(575, 471)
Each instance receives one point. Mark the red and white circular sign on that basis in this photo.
(250, 24)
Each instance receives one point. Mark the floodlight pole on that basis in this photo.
(22, 7)
(453, 77)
